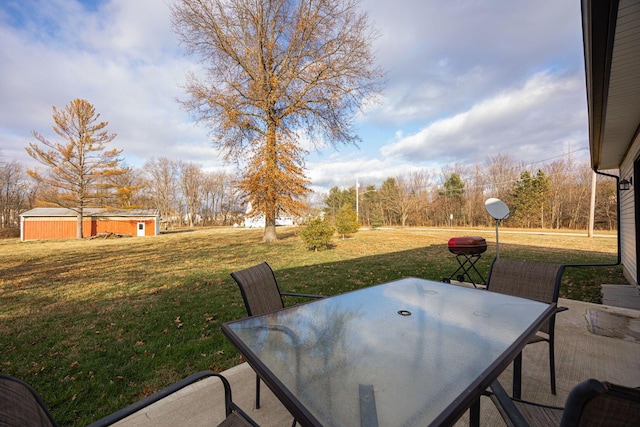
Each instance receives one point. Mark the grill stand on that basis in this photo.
(467, 269)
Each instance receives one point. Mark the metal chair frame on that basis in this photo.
(261, 294)
(589, 403)
(235, 416)
(536, 281)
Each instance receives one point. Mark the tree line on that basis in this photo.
(555, 196)
(183, 193)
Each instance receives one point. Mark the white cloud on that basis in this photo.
(531, 118)
(123, 58)
(444, 56)
(342, 171)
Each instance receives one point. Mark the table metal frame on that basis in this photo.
(469, 399)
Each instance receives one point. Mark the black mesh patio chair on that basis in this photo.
(536, 281)
(261, 294)
(21, 406)
(590, 403)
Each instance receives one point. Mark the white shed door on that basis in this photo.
(141, 229)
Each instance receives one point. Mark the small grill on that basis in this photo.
(467, 250)
(467, 245)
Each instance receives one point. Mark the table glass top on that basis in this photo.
(416, 344)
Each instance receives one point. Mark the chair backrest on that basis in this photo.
(20, 405)
(595, 403)
(259, 289)
(526, 279)
(533, 280)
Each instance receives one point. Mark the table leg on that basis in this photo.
(517, 376)
(474, 414)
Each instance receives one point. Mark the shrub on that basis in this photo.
(346, 221)
(317, 234)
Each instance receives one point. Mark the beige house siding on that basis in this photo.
(627, 216)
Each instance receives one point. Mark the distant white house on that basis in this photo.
(259, 221)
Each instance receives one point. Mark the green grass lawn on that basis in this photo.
(95, 325)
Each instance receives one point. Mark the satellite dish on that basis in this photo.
(497, 208)
(499, 211)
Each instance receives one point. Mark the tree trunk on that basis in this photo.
(269, 233)
(271, 199)
(79, 225)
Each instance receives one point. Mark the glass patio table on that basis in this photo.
(404, 353)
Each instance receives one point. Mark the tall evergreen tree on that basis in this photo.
(337, 198)
(528, 197)
(453, 196)
(346, 221)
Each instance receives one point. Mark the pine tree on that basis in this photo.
(317, 233)
(346, 221)
(528, 197)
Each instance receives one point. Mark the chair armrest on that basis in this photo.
(293, 294)
(536, 413)
(137, 406)
(505, 405)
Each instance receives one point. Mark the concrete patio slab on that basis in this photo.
(580, 354)
(626, 296)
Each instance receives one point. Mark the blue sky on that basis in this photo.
(467, 79)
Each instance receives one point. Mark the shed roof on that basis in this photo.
(101, 212)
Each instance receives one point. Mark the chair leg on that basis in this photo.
(258, 399)
(552, 366)
(257, 392)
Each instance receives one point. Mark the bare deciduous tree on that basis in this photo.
(13, 193)
(277, 70)
(561, 180)
(501, 171)
(419, 182)
(214, 189)
(162, 185)
(191, 183)
(409, 195)
(76, 168)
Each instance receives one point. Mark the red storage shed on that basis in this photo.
(60, 223)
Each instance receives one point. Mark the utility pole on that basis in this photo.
(592, 208)
(357, 201)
